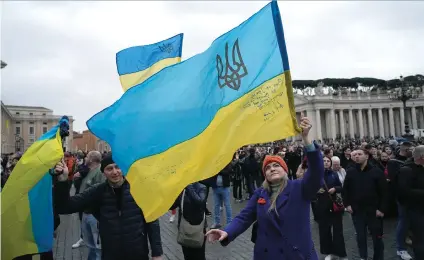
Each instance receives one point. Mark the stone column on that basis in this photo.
(392, 122)
(370, 123)
(380, 122)
(351, 129)
(333, 123)
(414, 118)
(422, 117)
(342, 123)
(361, 123)
(402, 120)
(318, 126)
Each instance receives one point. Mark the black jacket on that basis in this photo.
(411, 186)
(225, 174)
(324, 204)
(194, 204)
(393, 167)
(124, 232)
(251, 167)
(365, 189)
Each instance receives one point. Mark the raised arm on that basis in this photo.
(65, 204)
(313, 176)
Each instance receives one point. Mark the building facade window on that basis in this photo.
(31, 130)
(31, 123)
(31, 140)
(17, 122)
(31, 114)
(44, 114)
(44, 123)
(18, 130)
(17, 113)
(44, 129)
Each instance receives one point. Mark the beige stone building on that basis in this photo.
(21, 126)
(348, 113)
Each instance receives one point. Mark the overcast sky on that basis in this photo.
(61, 55)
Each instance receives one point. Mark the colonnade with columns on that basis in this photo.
(336, 117)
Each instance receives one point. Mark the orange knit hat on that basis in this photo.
(273, 158)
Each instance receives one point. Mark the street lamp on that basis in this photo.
(405, 93)
(2, 64)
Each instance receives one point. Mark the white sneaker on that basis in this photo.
(172, 218)
(329, 257)
(79, 243)
(404, 255)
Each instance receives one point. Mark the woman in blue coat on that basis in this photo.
(281, 208)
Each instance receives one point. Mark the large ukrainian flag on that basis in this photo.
(26, 200)
(136, 64)
(199, 111)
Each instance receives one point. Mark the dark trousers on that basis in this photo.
(331, 242)
(417, 227)
(362, 220)
(194, 253)
(259, 181)
(207, 195)
(292, 172)
(250, 185)
(237, 190)
(314, 210)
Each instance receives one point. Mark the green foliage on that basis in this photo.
(336, 83)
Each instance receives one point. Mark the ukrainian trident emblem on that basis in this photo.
(166, 48)
(231, 76)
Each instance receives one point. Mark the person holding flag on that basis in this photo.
(123, 231)
(281, 208)
(27, 204)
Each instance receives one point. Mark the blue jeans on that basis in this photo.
(402, 228)
(91, 236)
(222, 195)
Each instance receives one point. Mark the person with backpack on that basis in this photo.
(393, 170)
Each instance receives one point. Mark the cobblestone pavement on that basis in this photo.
(69, 232)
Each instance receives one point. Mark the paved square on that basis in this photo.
(241, 248)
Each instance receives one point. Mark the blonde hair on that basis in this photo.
(267, 187)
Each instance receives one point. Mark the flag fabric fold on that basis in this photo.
(26, 200)
(138, 63)
(201, 110)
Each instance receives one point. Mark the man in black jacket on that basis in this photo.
(411, 196)
(365, 197)
(123, 229)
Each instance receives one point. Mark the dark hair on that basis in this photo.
(345, 148)
(366, 152)
(328, 157)
(327, 151)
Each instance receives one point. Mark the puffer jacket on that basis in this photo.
(194, 204)
(123, 233)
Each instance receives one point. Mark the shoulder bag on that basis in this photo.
(190, 235)
(338, 203)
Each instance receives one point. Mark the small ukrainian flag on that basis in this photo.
(136, 64)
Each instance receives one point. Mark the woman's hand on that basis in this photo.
(305, 125)
(332, 190)
(216, 234)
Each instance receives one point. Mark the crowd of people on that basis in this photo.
(282, 182)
